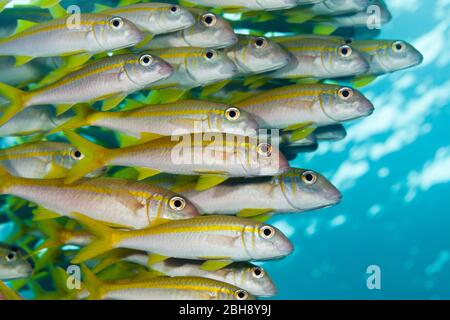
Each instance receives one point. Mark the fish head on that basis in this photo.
(177, 207)
(268, 243)
(209, 66)
(398, 55)
(210, 31)
(171, 18)
(14, 263)
(117, 33)
(344, 61)
(256, 280)
(232, 120)
(308, 190)
(144, 69)
(345, 104)
(277, 4)
(259, 54)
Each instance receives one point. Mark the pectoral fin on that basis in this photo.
(112, 102)
(301, 134)
(145, 173)
(298, 126)
(245, 213)
(206, 182)
(21, 60)
(155, 258)
(41, 213)
(208, 90)
(324, 29)
(362, 81)
(214, 265)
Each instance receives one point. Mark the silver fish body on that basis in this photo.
(210, 237)
(186, 116)
(297, 190)
(209, 31)
(251, 278)
(40, 160)
(254, 55)
(94, 33)
(250, 4)
(121, 74)
(194, 67)
(115, 201)
(156, 18)
(319, 57)
(33, 120)
(319, 105)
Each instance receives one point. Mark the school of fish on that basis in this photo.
(147, 144)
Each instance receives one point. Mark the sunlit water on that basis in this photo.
(394, 172)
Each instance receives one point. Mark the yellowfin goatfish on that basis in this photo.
(251, 4)
(209, 31)
(251, 278)
(386, 56)
(112, 77)
(215, 157)
(187, 116)
(298, 106)
(194, 67)
(40, 160)
(220, 240)
(319, 57)
(93, 33)
(33, 121)
(114, 201)
(253, 55)
(14, 263)
(156, 18)
(298, 190)
(161, 288)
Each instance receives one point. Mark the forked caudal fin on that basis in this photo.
(17, 102)
(92, 157)
(103, 242)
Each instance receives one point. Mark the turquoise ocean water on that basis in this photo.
(394, 172)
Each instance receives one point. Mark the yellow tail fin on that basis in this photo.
(5, 179)
(92, 284)
(17, 101)
(81, 119)
(8, 293)
(45, 4)
(104, 241)
(51, 230)
(92, 157)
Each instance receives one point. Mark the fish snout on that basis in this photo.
(366, 108)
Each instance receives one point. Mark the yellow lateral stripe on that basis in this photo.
(187, 229)
(150, 285)
(81, 76)
(41, 29)
(142, 114)
(274, 97)
(178, 55)
(312, 48)
(15, 156)
(125, 10)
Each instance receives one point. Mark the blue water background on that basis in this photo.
(394, 171)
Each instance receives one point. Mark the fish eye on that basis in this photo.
(345, 93)
(177, 203)
(398, 46)
(210, 54)
(241, 295)
(345, 51)
(209, 19)
(260, 43)
(267, 232)
(76, 154)
(145, 60)
(264, 149)
(174, 9)
(309, 177)
(258, 273)
(232, 114)
(10, 256)
(116, 22)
